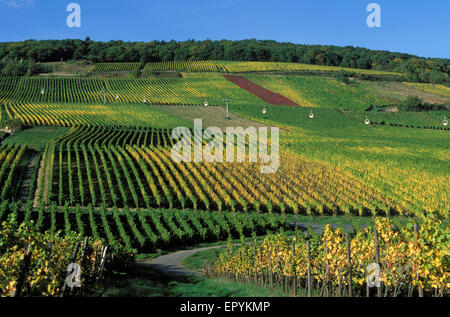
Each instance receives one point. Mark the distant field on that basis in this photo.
(321, 92)
(400, 91)
(115, 67)
(195, 88)
(68, 68)
(40, 89)
(250, 67)
(191, 89)
(183, 66)
(66, 115)
(434, 89)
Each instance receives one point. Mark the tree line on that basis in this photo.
(31, 52)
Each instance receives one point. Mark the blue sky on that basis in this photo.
(411, 26)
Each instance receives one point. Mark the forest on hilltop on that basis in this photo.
(25, 58)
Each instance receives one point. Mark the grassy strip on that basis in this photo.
(35, 138)
(144, 282)
(196, 260)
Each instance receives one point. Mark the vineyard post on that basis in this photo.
(309, 268)
(254, 263)
(83, 253)
(23, 271)
(227, 101)
(339, 290)
(104, 91)
(295, 270)
(415, 240)
(271, 269)
(240, 275)
(102, 261)
(249, 274)
(325, 280)
(349, 263)
(260, 260)
(377, 255)
(280, 274)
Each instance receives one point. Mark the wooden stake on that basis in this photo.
(295, 270)
(377, 256)
(271, 270)
(260, 260)
(254, 263)
(309, 269)
(349, 265)
(415, 240)
(102, 262)
(324, 290)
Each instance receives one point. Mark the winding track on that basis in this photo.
(171, 264)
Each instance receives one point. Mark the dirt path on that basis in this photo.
(170, 264)
(26, 184)
(38, 185)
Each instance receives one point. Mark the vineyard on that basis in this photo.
(411, 261)
(92, 157)
(68, 115)
(183, 66)
(190, 89)
(250, 67)
(441, 90)
(429, 120)
(38, 268)
(394, 161)
(261, 92)
(194, 88)
(10, 169)
(115, 67)
(133, 168)
(321, 92)
(142, 230)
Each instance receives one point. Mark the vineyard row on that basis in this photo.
(143, 230)
(147, 177)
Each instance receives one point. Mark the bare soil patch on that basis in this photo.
(261, 92)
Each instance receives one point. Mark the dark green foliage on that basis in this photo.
(342, 76)
(413, 103)
(12, 124)
(20, 67)
(22, 55)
